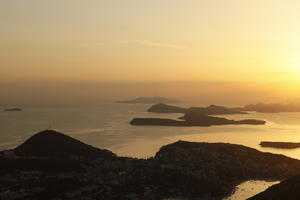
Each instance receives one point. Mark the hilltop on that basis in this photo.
(52, 144)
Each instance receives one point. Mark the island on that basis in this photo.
(79, 171)
(271, 108)
(13, 109)
(148, 100)
(280, 145)
(210, 110)
(194, 118)
(164, 108)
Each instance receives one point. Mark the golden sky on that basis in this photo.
(150, 41)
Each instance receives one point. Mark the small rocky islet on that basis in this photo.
(51, 165)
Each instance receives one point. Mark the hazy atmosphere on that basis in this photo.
(94, 50)
(149, 99)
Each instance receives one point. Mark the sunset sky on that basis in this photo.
(94, 42)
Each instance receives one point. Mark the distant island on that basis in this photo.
(51, 165)
(148, 100)
(162, 107)
(281, 145)
(193, 119)
(210, 110)
(12, 109)
(271, 108)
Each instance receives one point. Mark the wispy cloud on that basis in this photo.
(145, 43)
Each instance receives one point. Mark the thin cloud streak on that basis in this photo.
(145, 43)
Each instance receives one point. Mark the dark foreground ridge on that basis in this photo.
(178, 170)
(280, 145)
(210, 110)
(194, 119)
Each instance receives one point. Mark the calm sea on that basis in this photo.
(107, 126)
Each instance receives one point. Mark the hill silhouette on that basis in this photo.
(52, 144)
(215, 110)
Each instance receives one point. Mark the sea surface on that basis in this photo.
(106, 125)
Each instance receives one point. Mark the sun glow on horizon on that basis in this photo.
(150, 41)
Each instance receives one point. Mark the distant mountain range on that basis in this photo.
(149, 100)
